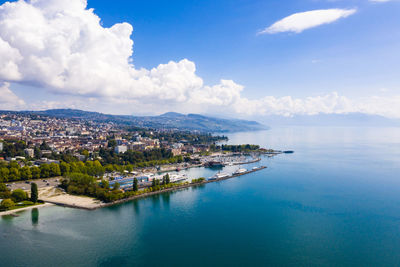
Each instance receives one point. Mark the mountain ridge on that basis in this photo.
(169, 120)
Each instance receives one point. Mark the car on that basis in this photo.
(27, 182)
(48, 184)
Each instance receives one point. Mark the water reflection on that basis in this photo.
(35, 216)
(166, 198)
(155, 199)
(136, 206)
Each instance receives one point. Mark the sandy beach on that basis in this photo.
(59, 197)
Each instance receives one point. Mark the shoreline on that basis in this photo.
(96, 204)
(14, 212)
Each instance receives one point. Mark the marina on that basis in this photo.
(87, 203)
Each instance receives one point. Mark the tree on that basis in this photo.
(44, 146)
(35, 172)
(65, 168)
(105, 184)
(26, 173)
(3, 187)
(44, 171)
(4, 172)
(34, 192)
(167, 179)
(6, 204)
(54, 170)
(85, 153)
(14, 174)
(135, 184)
(37, 152)
(19, 195)
(116, 186)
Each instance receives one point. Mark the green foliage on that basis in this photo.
(105, 184)
(4, 191)
(26, 173)
(34, 192)
(13, 148)
(4, 174)
(116, 186)
(35, 172)
(3, 187)
(6, 204)
(238, 148)
(19, 195)
(199, 180)
(64, 168)
(135, 186)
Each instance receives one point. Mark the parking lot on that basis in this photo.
(26, 185)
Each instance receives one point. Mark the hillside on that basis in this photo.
(170, 120)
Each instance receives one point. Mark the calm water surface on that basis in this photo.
(335, 201)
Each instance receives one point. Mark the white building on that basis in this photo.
(1, 146)
(29, 152)
(121, 149)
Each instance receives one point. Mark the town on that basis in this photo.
(108, 161)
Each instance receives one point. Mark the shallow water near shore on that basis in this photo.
(335, 201)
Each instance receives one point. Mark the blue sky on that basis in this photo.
(356, 57)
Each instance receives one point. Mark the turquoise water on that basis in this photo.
(335, 201)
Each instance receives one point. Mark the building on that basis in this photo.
(137, 146)
(121, 149)
(1, 146)
(176, 151)
(29, 152)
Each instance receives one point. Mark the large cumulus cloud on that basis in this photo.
(8, 100)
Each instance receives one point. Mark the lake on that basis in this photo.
(335, 201)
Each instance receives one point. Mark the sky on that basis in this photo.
(237, 58)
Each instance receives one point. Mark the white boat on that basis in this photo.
(220, 175)
(240, 171)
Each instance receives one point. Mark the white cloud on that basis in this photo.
(299, 22)
(8, 100)
(330, 103)
(380, 1)
(61, 45)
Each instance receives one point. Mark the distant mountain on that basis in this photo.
(170, 120)
(343, 120)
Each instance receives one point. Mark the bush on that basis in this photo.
(6, 204)
(19, 195)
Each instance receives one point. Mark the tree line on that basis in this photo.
(235, 148)
(17, 197)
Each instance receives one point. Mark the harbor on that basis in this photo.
(82, 202)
